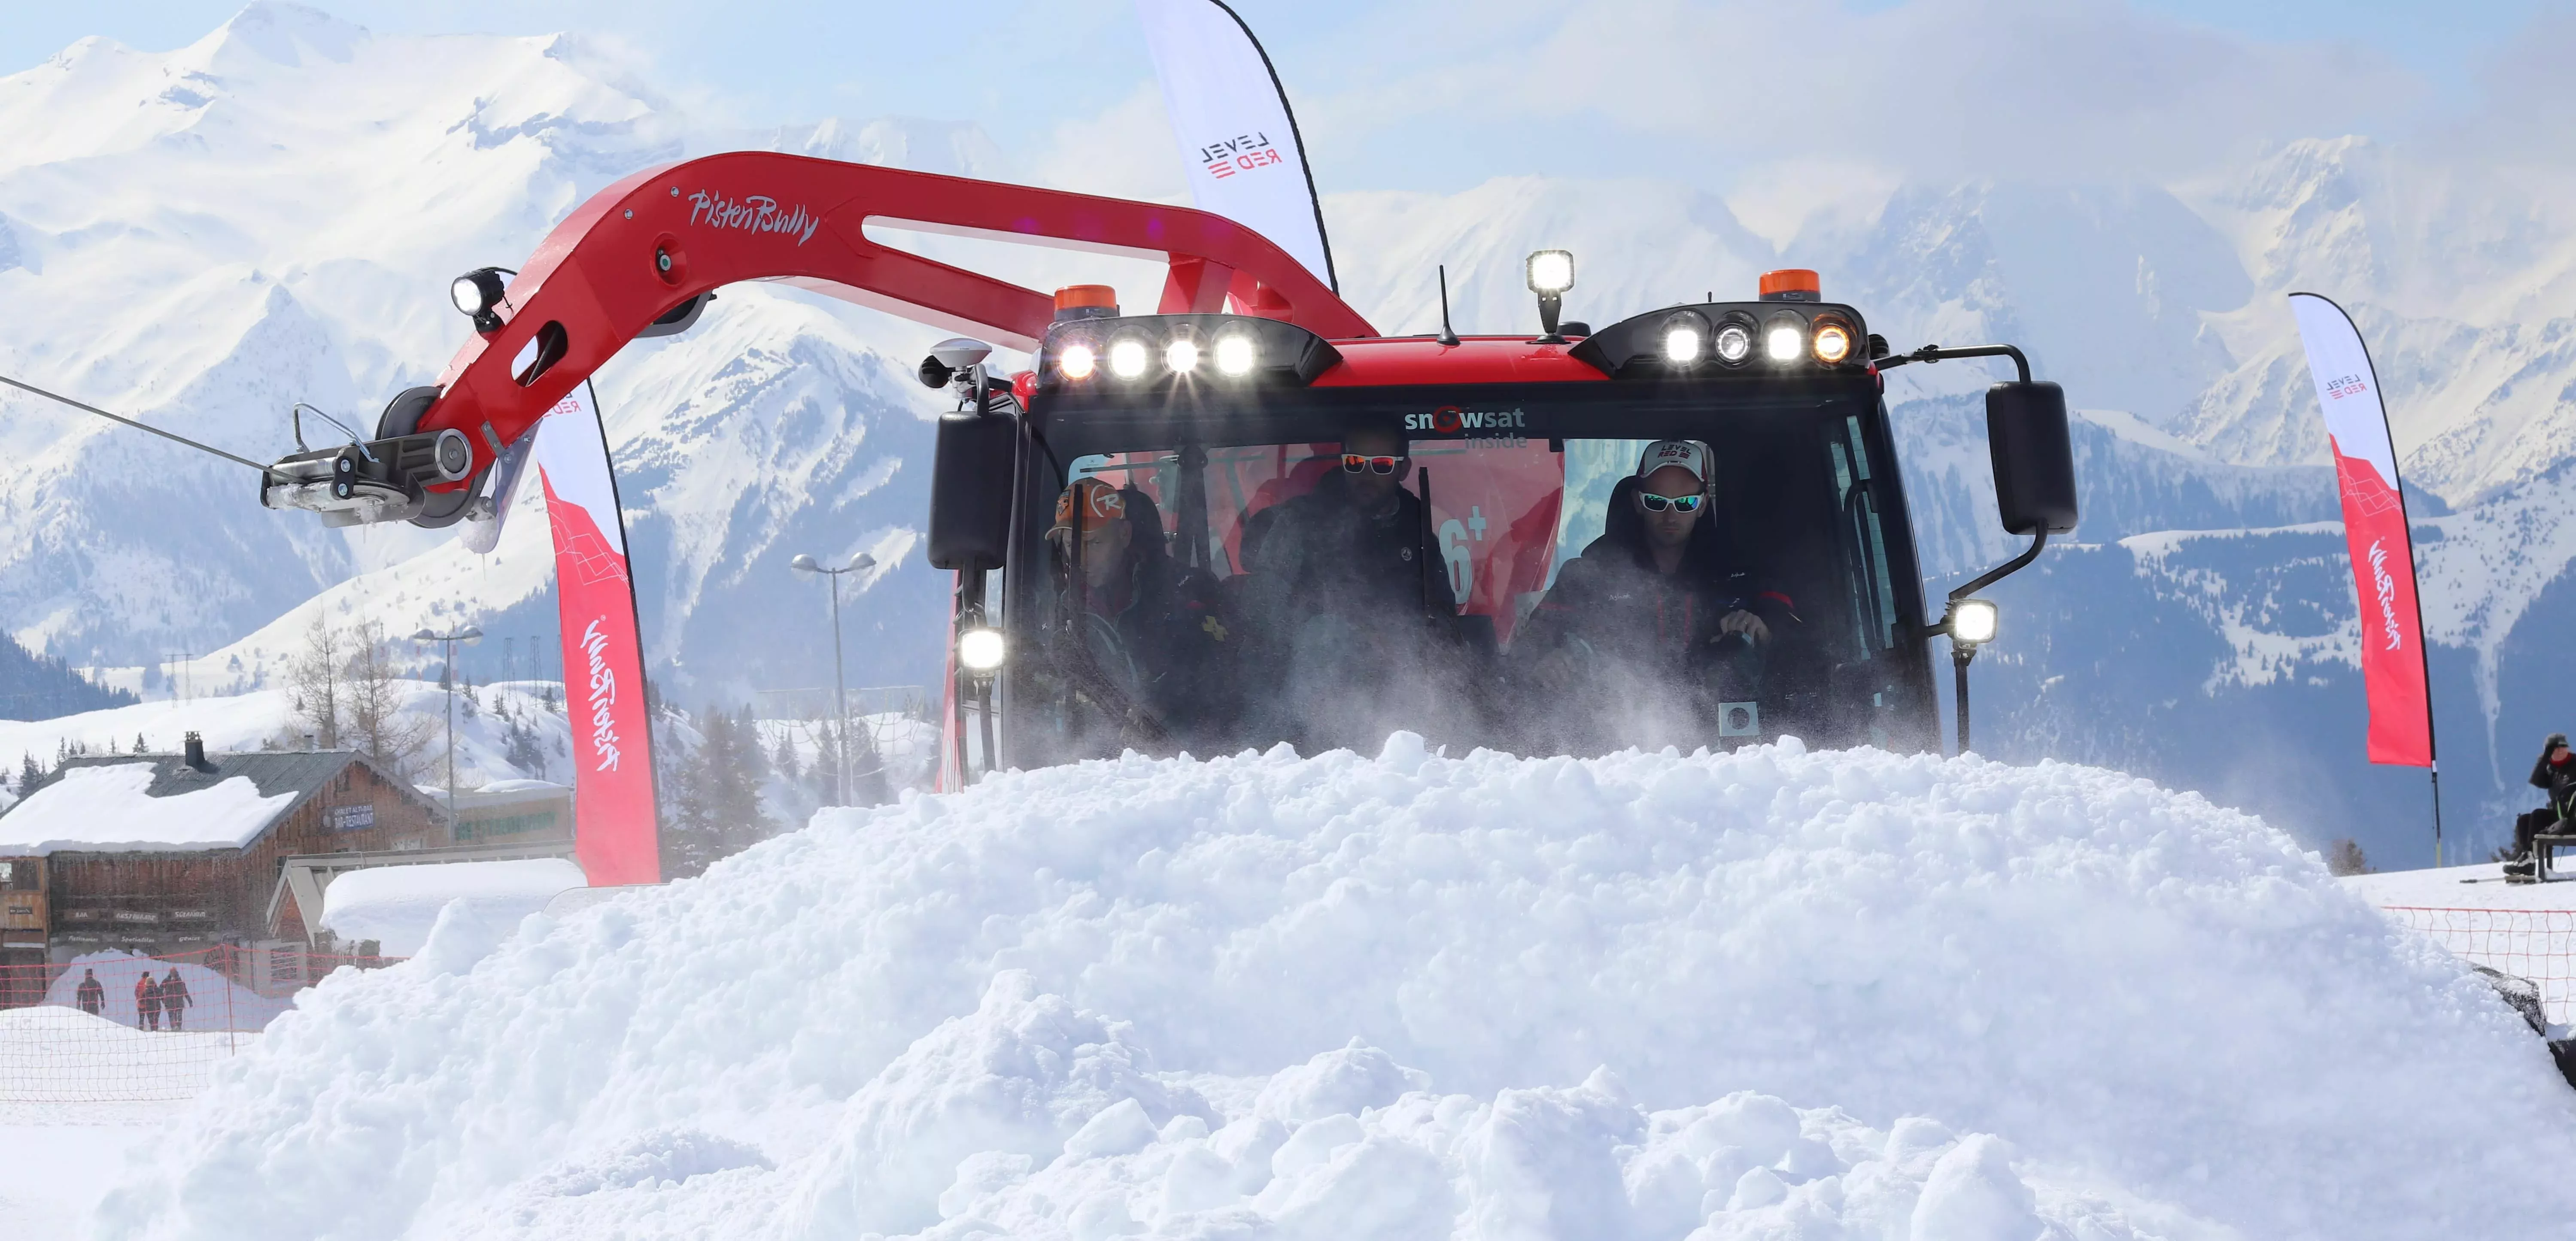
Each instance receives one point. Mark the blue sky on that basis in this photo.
(1438, 94)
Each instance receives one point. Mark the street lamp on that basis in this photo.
(840, 683)
(468, 635)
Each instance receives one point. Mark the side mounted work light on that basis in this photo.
(478, 294)
(980, 649)
(1972, 622)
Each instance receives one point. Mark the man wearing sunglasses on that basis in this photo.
(1654, 619)
(1349, 590)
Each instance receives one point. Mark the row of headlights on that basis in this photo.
(1232, 354)
(1689, 338)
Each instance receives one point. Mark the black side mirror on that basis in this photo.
(2034, 458)
(970, 491)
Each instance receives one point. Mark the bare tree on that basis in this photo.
(317, 680)
(377, 726)
(2344, 857)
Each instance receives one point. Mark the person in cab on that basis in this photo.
(1653, 626)
(1352, 600)
(1150, 630)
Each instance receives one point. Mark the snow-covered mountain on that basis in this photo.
(270, 215)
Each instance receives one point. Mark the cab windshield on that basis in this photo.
(1465, 574)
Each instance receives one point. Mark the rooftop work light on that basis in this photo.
(1784, 338)
(1685, 337)
(1236, 354)
(1181, 356)
(1733, 344)
(1127, 358)
(1077, 361)
(1833, 341)
(1551, 273)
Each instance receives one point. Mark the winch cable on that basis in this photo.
(140, 426)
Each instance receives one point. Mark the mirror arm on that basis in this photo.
(1935, 353)
(2006, 569)
(1992, 576)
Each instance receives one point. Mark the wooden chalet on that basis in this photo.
(81, 887)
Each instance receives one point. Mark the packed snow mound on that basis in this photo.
(1758, 994)
(397, 906)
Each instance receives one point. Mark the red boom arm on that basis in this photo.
(638, 249)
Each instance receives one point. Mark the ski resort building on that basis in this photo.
(163, 854)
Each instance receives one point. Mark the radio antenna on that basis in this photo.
(1446, 337)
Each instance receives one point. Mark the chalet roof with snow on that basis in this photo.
(164, 803)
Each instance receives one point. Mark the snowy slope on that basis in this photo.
(271, 215)
(1417, 996)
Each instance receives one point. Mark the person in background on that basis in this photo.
(147, 1002)
(89, 995)
(2555, 775)
(175, 998)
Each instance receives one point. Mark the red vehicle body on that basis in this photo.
(1499, 420)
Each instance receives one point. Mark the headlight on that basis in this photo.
(1833, 341)
(980, 650)
(1077, 361)
(1685, 338)
(1127, 358)
(1972, 622)
(1784, 338)
(468, 295)
(1236, 355)
(1182, 356)
(1734, 343)
(1551, 271)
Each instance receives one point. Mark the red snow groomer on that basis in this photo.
(1250, 518)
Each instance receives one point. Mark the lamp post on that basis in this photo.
(840, 683)
(468, 635)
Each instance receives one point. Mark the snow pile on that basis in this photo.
(1770, 993)
(106, 809)
(215, 1002)
(397, 905)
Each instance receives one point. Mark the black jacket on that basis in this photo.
(1322, 556)
(1164, 640)
(1612, 599)
(2559, 782)
(90, 995)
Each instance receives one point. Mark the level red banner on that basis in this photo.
(2393, 667)
(616, 833)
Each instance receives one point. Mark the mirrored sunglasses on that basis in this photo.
(1680, 504)
(1355, 462)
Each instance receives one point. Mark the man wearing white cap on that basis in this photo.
(1652, 608)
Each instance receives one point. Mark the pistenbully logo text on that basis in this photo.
(757, 213)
